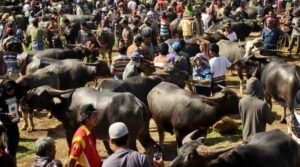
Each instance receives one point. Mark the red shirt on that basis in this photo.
(83, 148)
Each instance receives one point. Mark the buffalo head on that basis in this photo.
(45, 97)
(100, 68)
(194, 153)
(226, 99)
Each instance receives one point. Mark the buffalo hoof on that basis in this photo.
(283, 121)
(29, 129)
(49, 116)
(24, 128)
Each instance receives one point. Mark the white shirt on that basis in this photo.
(232, 36)
(79, 10)
(205, 19)
(219, 65)
(296, 22)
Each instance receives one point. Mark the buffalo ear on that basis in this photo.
(56, 100)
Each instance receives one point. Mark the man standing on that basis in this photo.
(10, 95)
(186, 24)
(218, 65)
(37, 36)
(126, 39)
(254, 111)
(12, 47)
(119, 63)
(270, 34)
(135, 46)
(83, 148)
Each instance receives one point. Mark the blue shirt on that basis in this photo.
(270, 37)
(202, 74)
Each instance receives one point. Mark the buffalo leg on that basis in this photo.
(283, 120)
(25, 117)
(241, 77)
(161, 135)
(148, 143)
(31, 126)
(107, 147)
(179, 138)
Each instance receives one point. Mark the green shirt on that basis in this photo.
(37, 34)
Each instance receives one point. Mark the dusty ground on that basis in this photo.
(53, 128)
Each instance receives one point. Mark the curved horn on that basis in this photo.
(191, 136)
(223, 87)
(208, 152)
(57, 92)
(217, 96)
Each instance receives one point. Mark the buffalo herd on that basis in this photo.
(56, 80)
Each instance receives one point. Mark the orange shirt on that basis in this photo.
(83, 148)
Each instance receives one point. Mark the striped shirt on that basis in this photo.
(119, 64)
(164, 28)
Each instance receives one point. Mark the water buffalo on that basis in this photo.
(140, 86)
(75, 53)
(265, 149)
(64, 75)
(235, 54)
(112, 107)
(286, 85)
(242, 29)
(179, 111)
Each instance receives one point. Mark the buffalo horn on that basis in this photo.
(223, 87)
(218, 96)
(191, 136)
(54, 92)
(208, 152)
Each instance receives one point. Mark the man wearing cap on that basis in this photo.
(174, 56)
(83, 150)
(218, 66)
(122, 156)
(131, 68)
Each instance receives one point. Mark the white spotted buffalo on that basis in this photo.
(180, 111)
(265, 149)
(65, 74)
(111, 106)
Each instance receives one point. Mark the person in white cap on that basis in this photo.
(122, 156)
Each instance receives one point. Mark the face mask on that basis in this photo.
(137, 64)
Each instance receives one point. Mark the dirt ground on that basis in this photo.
(53, 128)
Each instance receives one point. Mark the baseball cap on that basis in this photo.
(86, 111)
(136, 55)
(117, 130)
(176, 45)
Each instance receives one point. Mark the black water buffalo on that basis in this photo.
(140, 86)
(67, 74)
(75, 53)
(265, 149)
(242, 29)
(111, 106)
(281, 82)
(179, 111)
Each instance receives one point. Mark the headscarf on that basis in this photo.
(203, 59)
(255, 88)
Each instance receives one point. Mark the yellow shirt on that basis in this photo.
(186, 26)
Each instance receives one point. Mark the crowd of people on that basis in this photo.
(143, 34)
